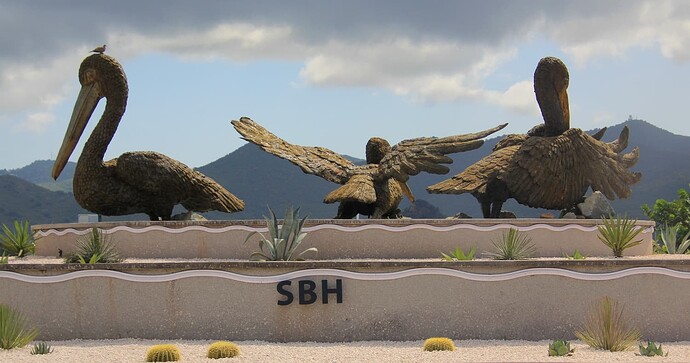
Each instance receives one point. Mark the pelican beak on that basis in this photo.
(86, 103)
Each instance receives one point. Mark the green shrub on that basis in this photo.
(559, 348)
(459, 254)
(283, 240)
(41, 348)
(20, 242)
(651, 350)
(163, 353)
(513, 246)
(434, 344)
(219, 350)
(96, 248)
(672, 213)
(618, 234)
(605, 328)
(13, 330)
(669, 238)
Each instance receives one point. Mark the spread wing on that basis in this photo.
(555, 172)
(410, 157)
(476, 177)
(312, 160)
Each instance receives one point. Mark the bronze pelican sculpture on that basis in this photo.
(375, 189)
(553, 165)
(136, 182)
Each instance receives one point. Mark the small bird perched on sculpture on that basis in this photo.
(553, 165)
(136, 182)
(375, 189)
(99, 50)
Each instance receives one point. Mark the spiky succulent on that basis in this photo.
(434, 344)
(163, 353)
(559, 348)
(651, 350)
(223, 349)
(513, 246)
(460, 255)
(41, 348)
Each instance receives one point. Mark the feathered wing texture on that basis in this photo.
(479, 175)
(555, 172)
(312, 160)
(156, 174)
(360, 188)
(410, 157)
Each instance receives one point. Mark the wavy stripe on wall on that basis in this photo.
(362, 276)
(45, 233)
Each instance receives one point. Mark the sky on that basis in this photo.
(334, 73)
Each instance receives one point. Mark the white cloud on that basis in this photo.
(37, 122)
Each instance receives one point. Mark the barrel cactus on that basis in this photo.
(223, 350)
(433, 344)
(163, 353)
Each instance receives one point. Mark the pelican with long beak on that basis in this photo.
(136, 182)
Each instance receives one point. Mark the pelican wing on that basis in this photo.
(410, 157)
(476, 177)
(158, 175)
(312, 160)
(555, 172)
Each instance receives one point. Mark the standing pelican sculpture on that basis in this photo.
(136, 182)
(553, 165)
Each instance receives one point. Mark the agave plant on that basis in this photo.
(283, 240)
(459, 254)
(13, 330)
(513, 246)
(559, 348)
(619, 234)
(606, 328)
(96, 248)
(41, 348)
(669, 237)
(4, 259)
(651, 350)
(20, 242)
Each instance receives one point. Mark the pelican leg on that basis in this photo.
(496, 209)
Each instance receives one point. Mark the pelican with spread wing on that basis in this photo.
(553, 165)
(375, 189)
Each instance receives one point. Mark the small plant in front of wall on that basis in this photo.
(512, 246)
(4, 259)
(559, 348)
(20, 242)
(669, 239)
(618, 233)
(576, 256)
(96, 248)
(41, 348)
(438, 344)
(14, 332)
(283, 240)
(606, 327)
(651, 350)
(223, 349)
(163, 353)
(459, 254)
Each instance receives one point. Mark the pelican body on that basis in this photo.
(136, 182)
(553, 165)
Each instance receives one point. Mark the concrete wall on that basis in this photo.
(380, 302)
(339, 239)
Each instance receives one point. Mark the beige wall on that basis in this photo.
(339, 239)
(539, 304)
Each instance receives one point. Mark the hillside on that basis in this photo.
(23, 200)
(263, 180)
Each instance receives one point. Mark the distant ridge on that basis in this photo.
(263, 180)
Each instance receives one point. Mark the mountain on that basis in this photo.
(38, 173)
(263, 180)
(23, 200)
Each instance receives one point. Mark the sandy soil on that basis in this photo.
(132, 350)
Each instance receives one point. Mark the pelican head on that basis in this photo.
(551, 80)
(100, 76)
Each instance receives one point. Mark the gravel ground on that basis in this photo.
(133, 350)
